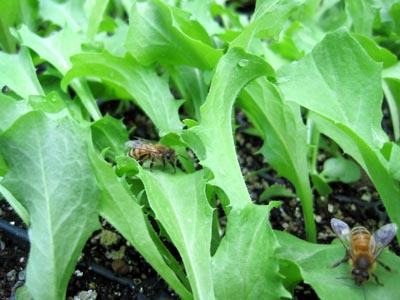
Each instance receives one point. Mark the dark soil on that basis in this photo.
(117, 271)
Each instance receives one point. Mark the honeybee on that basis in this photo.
(362, 248)
(144, 150)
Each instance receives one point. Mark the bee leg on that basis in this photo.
(387, 268)
(344, 259)
(152, 158)
(141, 159)
(365, 295)
(172, 163)
(376, 279)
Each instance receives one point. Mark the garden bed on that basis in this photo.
(279, 115)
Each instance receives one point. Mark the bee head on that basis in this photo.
(170, 155)
(359, 276)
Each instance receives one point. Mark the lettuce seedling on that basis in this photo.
(63, 161)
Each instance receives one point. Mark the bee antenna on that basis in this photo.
(364, 293)
(179, 155)
(362, 287)
(343, 278)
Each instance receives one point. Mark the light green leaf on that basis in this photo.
(150, 91)
(23, 293)
(285, 140)
(391, 90)
(267, 21)
(96, 12)
(276, 191)
(394, 161)
(212, 139)
(371, 160)
(331, 15)
(320, 185)
(340, 169)
(245, 265)
(315, 265)
(68, 14)
(119, 207)
(392, 72)
(57, 50)
(18, 73)
(8, 16)
(363, 14)
(50, 174)
(378, 53)
(204, 13)
(110, 133)
(11, 14)
(114, 44)
(15, 204)
(162, 33)
(342, 84)
(11, 110)
(191, 84)
(51, 104)
(180, 205)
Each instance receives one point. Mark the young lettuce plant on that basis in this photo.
(50, 175)
(56, 179)
(350, 84)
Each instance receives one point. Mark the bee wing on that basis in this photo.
(134, 143)
(145, 141)
(381, 238)
(342, 231)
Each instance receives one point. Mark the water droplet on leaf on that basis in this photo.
(283, 79)
(243, 62)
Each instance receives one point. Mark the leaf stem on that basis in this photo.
(87, 99)
(394, 112)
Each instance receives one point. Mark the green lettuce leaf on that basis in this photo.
(180, 205)
(50, 174)
(212, 139)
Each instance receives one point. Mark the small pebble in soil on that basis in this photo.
(119, 266)
(11, 275)
(318, 218)
(85, 295)
(2, 245)
(22, 275)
